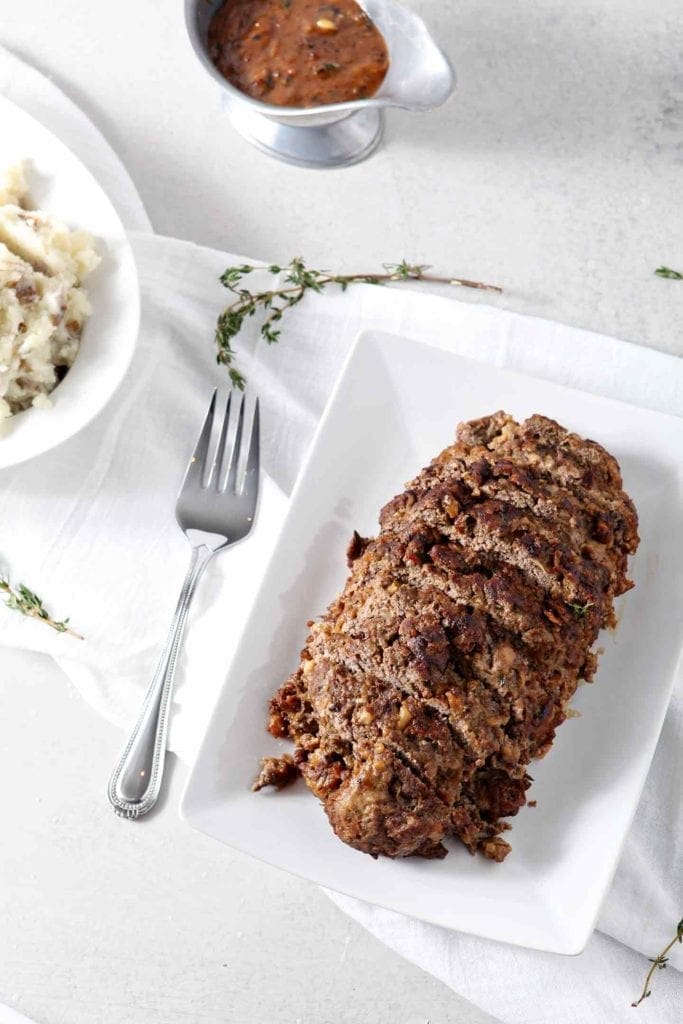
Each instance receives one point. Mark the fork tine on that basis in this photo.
(196, 465)
(235, 453)
(251, 477)
(215, 474)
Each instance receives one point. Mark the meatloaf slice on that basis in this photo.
(447, 662)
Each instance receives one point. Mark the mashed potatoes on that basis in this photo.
(42, 305)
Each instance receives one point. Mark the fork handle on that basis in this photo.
(136, 780)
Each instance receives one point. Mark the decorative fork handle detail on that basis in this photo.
(136, 780)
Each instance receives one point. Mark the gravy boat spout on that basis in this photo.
(420, 78)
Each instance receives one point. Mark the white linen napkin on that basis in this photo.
(91, 526)
(41, 98)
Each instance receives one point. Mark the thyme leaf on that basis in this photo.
(659, 962)
(21, 599)
(273, 303)
(673, 275)
(581, 610)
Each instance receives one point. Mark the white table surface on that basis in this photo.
(556, 172)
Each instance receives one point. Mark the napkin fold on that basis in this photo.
(91, 526)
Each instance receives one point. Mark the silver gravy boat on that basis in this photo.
(420, 77)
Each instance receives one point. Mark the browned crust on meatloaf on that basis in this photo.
(447, 662)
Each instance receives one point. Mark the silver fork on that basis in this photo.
(214, 510)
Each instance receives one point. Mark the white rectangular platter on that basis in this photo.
(395, 406)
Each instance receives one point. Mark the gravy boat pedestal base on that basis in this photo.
(419, 78)
(337, 144)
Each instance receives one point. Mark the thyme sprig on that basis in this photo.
(659, 962)
(21, 599)
(298, 280)
(673, 275)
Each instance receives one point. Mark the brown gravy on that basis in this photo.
(298, 53)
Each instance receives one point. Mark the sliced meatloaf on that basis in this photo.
(447, 662)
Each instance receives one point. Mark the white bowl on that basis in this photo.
(60, 185)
